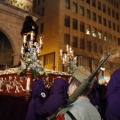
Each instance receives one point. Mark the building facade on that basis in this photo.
(11, 23)
(90, 27)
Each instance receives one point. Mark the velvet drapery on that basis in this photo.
(12, 108)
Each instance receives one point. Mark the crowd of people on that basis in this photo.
(96, 102)
(93, 104)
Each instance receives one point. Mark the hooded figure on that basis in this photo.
(57, 98)
(94, 95)
(38, 91)
(113, 97)
(28, 26)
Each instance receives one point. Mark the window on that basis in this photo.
(109, 11)
(67, 21)
(109, 23)
(117, 5)
(89, 46)
(113, 13)
(75, 41)
(94, 16)
(67, 4)
(38, 2)
(49, 59)
(114, 39)
(88, 13)
(117, 16)
(104, 22)
(88, 29)
(82, 26)
(104, 8)
(82, 43)
(118, 41)
(42, 11)
(74, 8)
(94, 3)
(94, 47)
(82, 10)
(41, 27)
(111, 1)
(66, 38)
(84, 61)
(34, 3)
(100, 34)
(114, 3)
(88, 1)
(94, 32)
(42, 2)
(99, 5)
(99, 19)
(118, 28)
(114, 28)
(75, 24)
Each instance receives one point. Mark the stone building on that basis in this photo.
(11, 22)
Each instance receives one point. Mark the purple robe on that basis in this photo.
(57, 98)
(38, 87)
(113, 97)
(94, 95)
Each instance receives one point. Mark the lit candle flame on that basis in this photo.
(28, 85)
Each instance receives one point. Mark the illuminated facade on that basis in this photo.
(91, 27)
(23, 4)
(11, 23)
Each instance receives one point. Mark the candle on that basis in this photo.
(75, 59)
(71, 52)
(24, 39)
(32, 35)
(65, 56)
(22, 50)
(70, 49)
(67, 47)
(63, 61)
(41, 41)
(38, 50)
(61, 52)
(28, 85)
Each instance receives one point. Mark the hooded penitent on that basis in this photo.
(113, 97)
(38, 88)
(57, 98)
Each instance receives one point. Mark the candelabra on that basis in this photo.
(31, 47)
(30, 57)
(68, 59)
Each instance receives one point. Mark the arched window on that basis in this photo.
(5, 51)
